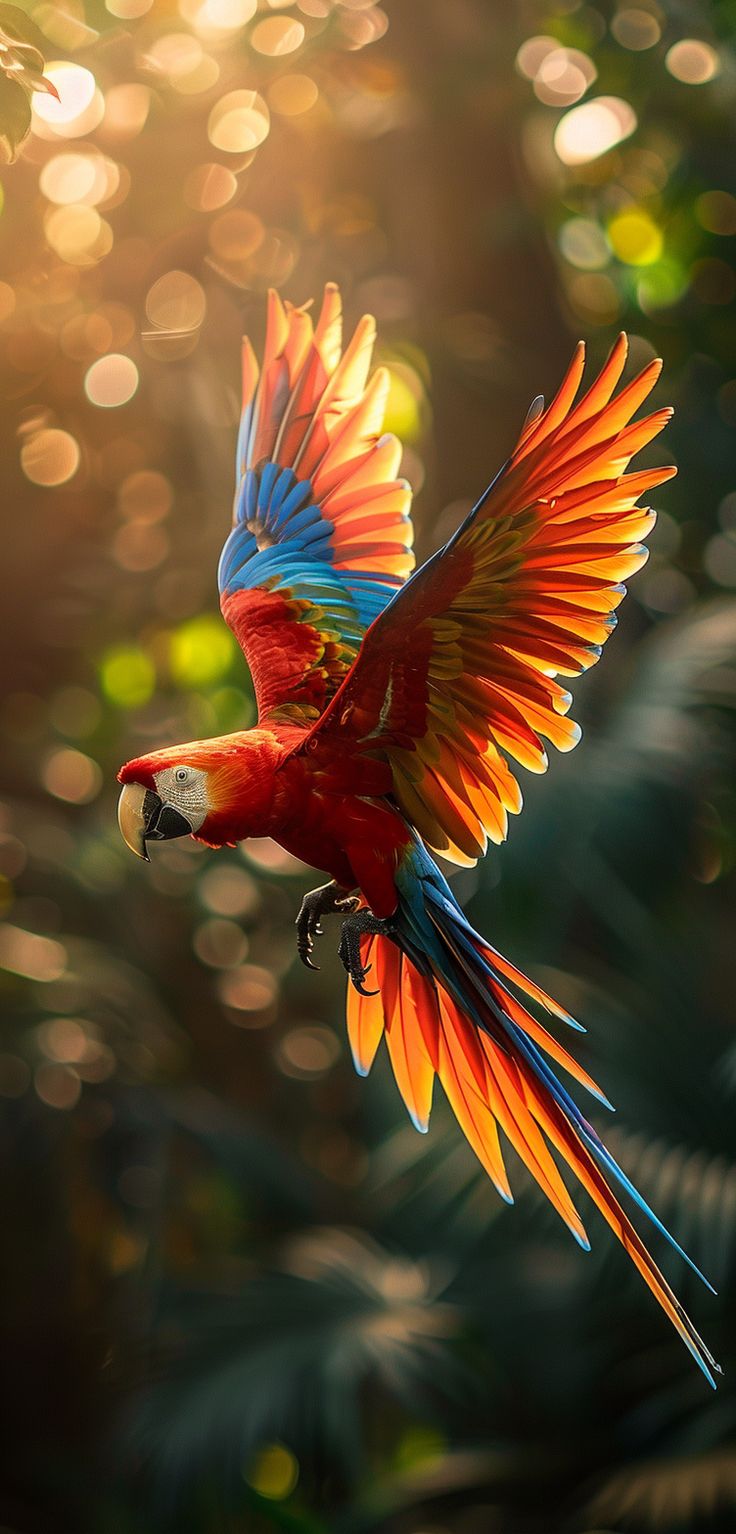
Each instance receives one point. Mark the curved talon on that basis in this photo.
(358, 979)
(359, 924)
(360, 988)
(320, 902)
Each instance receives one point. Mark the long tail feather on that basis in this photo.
(447, 1010)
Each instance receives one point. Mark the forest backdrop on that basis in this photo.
(240, 1292)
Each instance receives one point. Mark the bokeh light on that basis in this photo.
(209, 186)
(229, 891)
(533, 52)
(274, 1472)
(176, 301)
(175, 54)
(127, 676)
(636, 29)
(719, 559)
(58, 1086)
(594, 298)
(217, 19)
(692, 62)
(145, 496)
(404, 402)
(76, 177)
(139, 546)
(716, 212)
(635, 238)
(590, 130)
(662, 285)
(72, 776)
(30, 954)
(248, 989)
(50, 457)
(111, 381)
(277, 35)
(308, 1052)
(126, 109)
(220, 944)
(563, 76)
(78, 234)
(76, 88)
(128, 10)
(236, 235)
(583, 244)
(75, 711)
(238, 122)
(201, 652)
(292, 95)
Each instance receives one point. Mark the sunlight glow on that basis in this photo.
(593, 128)
(76, 87)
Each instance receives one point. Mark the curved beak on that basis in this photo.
(143, 817)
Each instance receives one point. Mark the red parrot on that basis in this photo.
(393, 707)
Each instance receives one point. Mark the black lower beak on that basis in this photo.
(161, 821)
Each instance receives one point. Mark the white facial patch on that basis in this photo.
(186, 789)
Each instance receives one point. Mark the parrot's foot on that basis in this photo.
(326, 901)
(353, 929)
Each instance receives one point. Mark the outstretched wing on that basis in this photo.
(321, 536)
(458, 674)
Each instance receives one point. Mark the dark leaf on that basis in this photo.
(15, 118)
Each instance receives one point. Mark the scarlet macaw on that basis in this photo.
(389, 708)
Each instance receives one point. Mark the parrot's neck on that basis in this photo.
(242, 784)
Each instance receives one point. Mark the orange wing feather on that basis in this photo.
(459, 673)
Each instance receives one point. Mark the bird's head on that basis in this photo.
(206, 789)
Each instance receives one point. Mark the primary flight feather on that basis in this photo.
(394, 709)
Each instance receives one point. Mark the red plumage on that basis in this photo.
(393, 714)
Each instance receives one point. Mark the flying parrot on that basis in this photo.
(393, 709)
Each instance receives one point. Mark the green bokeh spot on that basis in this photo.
(200, 652)
(234, 709)
(663, 284)
(403, 408)
(127, 676)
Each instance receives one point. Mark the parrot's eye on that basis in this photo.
(182, 774)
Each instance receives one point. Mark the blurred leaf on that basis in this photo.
(15, 117)
(687, 663)
(288, 1357)
(668, 1493)
(21, 72)
(18, 28)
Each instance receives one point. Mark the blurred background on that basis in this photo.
(240, 1293)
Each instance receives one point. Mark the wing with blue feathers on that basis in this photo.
(321, 537)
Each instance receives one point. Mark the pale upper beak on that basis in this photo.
(143, 817)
